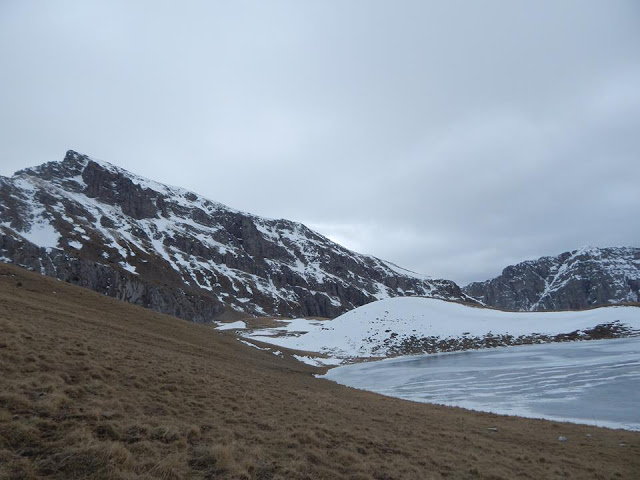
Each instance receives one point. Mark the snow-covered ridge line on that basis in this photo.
(98, 213)
(178, 193)
(582, 278)
(412, 325)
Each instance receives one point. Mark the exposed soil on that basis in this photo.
(94, 388)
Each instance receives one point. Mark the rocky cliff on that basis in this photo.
(90, 223)
(583, 278)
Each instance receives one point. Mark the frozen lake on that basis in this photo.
(595, 382)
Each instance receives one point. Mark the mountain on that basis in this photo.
(416, 325)
(580, 279)
(93, 224)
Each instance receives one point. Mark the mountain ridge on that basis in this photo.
(578, 279)
(97, 225)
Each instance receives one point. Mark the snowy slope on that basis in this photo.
(582, 278)
(417, 325)
(95, 224)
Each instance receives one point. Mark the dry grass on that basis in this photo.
(94, 388)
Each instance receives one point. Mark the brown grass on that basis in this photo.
(94, 388)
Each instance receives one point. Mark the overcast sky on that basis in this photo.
(452, 138)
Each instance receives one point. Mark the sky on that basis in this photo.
(453, 138)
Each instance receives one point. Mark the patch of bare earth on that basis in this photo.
(94, 388)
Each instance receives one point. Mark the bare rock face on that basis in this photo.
(584, 278)
(99, 226)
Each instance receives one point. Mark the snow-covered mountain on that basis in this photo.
(583, 278)
(412, 325)
(94, 224)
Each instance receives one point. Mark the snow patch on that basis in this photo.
(372, 330)
(239, 325)
(75, 244)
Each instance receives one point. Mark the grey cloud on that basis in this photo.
(450, 137)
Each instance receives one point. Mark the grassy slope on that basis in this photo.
(94, 388)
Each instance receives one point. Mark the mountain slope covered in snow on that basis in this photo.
(94, 224)
(411, 325)
(583, 278)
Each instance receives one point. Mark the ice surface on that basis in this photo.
(595, 382)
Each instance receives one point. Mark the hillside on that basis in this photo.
(583, 278)
(95, 388)
(98, 226)
(412, 325)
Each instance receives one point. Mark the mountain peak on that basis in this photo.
(72, 156)
(70, 166)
